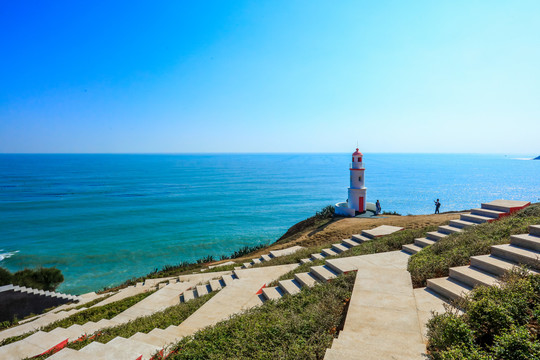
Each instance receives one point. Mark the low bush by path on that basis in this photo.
(498, 323)
(456, 250)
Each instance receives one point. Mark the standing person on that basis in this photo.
(378, 206)
(437, 206)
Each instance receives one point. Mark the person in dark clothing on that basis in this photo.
(378, 206)
(437, 206)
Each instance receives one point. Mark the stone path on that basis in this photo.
(382, 319)
(239, 296)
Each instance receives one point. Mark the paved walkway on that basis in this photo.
(382, 320)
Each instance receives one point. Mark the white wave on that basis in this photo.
(7, 254)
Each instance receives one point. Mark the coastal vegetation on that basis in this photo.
(296, 327)
(455, 250)
(40, 278)
(499, 322)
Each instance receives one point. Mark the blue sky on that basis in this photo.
(270, 76)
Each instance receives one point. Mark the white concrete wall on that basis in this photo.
(354, 197)
(342, 209)
(357, 179)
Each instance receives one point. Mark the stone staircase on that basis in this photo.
(234, 297)
(524, 249)
(272, 255)
(355, 240)
(211, 286)
(488, 212)
(168, 295)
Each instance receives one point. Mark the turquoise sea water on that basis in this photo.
(104, 218)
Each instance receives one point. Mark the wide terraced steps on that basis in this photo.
(524, 249)
(488, 212)
(170, 291)
(272, 255)
(233, 298)
(355, 240)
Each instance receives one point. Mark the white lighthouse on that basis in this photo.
(356, 201)
(357, 190)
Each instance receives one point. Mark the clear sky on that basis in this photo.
(270, 76)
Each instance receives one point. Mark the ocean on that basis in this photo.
(105, 218)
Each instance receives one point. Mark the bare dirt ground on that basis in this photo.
(343, 228)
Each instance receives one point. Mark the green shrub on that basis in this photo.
(500, 322)
(516, 345)
(449, 330)
(40, 278)
(5, 277)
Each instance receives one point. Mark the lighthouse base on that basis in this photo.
(343, 209)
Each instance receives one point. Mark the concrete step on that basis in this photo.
(227, 279)
(165, 335)
(246, 265)
(215, 285)
(317, 257)
(203, 290)
(435, 235)
(189, 295)
(70, 354)
(488, 213)
(398, 342)
(411, 248)
(272, 293)
(526, 241)
(305, 261)
(492, 264)
(473, 276)
(517, 254)
(324, 273)
(350, 242)
(360, 238)
(265, 258)
(290, 287)
(508, 206)
(448, 287)
(534, 230)
(475, 218)
(337, 268)
(339, 248)
(462, 224)
(90, 327)
(134, 346)
(449, 229)
(366, 351)
(306, 279)
(151, 339)
(423, 242)
(104, 352)
(328, 252)
(255, 261)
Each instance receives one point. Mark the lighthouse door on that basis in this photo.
(361, 204)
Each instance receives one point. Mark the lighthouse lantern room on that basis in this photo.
(356, 201)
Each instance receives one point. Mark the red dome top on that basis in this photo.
(357, 153)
